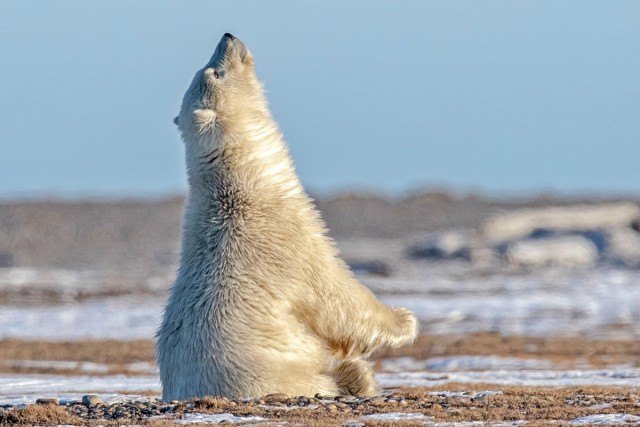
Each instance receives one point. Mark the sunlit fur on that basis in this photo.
(262, 303)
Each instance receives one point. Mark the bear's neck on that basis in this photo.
(252, 160)
(252, 185)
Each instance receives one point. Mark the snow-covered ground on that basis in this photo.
(26, 388)
(130, 317)
(595, 303)
(448, 298)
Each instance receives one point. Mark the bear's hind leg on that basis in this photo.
(355, 377)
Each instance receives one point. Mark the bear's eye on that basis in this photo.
(213, 73)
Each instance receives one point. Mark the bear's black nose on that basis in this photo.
(229, 35)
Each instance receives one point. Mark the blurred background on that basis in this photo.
(474, 161)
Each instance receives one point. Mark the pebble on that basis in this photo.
(275, 397)
(93, 408)
(47, 401)
(303, 401)
(91, 400)
(378, 402)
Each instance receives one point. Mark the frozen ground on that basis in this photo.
(26, 388)
(448, 299)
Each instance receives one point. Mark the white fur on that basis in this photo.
(262, 302)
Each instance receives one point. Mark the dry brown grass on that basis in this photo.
(116, 355)
(531, 403)
(39, 415)
(37, 296)
(111, 370)
(565, 352)
(537, 405)
(98, 351)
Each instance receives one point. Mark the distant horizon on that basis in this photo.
(455, 193)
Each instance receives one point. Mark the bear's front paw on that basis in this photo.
(406, 327)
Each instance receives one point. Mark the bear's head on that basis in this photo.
(222, 95)
(228, 130)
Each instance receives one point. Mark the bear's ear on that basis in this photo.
(175, 121)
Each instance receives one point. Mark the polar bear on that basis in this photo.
(262, 303)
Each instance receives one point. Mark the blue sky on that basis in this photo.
(499, 96)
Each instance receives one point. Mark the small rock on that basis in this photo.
(46, 401)
(275, 397)
(378, 402)
(91, 400)
(331, 407)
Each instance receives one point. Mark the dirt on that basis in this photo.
(538, 406)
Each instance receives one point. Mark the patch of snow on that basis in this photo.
(477, 423)
(88, 367)
(68, 284)
(448, 299)
(215, 419)
(597, 303)
(145, 367)
(390, 417)
(456, 424)
(108, 318)
(603, 377)
(606, 419)
(28, 387)
(451, 363)
(601, 406)
(395, 416)
(564, 251)
(466, 394)
(427, 423)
